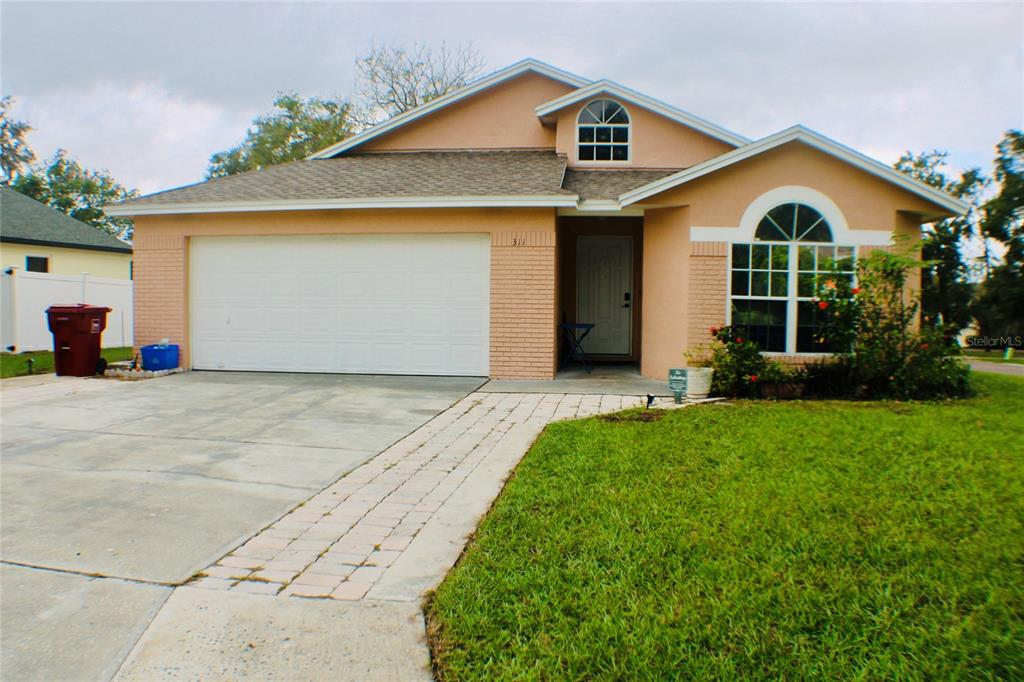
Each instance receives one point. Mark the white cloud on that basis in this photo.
(145, 136)
(880, 77)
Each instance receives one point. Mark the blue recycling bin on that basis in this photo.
(158, 357)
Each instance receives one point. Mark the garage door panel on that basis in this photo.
(398, 304)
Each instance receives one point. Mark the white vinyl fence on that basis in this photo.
(25, 296)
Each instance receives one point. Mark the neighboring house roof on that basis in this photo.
(473, 88)
(812, 139)
(609, 184)
(24, 220)
(375, 180)
(613, 89)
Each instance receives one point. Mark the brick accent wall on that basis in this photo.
(708, 291)
(523, 295)
(160, 288)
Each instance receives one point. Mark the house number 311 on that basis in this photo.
(518, 241)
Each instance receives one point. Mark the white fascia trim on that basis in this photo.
(634, 97)
(570, 200)
(812, 139)
(454, 96)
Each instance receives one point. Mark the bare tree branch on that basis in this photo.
(392, 79)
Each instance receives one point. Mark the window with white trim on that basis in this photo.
(774, 281)
(602, 132)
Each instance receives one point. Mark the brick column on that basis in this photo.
(161, 289)
(708, 290)
(523, 324)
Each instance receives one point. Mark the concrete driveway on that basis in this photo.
(114, 492)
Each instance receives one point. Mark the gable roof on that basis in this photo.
(613, 89)
(375, 180)
(806, 136)
(496, 78)
(24, 220)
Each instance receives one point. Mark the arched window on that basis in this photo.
(602, 132)
(793, 222)
(775, 280)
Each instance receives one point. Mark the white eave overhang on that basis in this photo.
(141, 209)
(547, 110)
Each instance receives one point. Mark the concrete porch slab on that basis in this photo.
(604, 380)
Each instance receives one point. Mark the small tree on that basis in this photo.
(297, 128)
(15, 154)
(64, 184)
(946, 286)
(999, 307)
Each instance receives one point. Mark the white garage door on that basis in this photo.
(374, 304)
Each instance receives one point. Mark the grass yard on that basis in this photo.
(16, 364)
(805, 540)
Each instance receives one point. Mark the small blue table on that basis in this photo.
(574, 337)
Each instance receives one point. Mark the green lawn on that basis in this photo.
(994, 356)
(16, 364)
(805, 540)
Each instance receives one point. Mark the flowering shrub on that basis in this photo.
(873, 328)
(738, 363)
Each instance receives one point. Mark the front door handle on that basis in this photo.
(626, 298)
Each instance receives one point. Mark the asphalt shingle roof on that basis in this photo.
(368, 176)
(27, 221)
(609, 184)
(410, 174)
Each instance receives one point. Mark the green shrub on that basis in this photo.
(882, 352)
(737, 362)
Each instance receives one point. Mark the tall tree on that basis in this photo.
(63, 184)
(294, 130)
(396, 78)
(946, 286)
(15, 154)
(1000, 305)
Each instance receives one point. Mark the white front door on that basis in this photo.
(366, 304)
(604, 293)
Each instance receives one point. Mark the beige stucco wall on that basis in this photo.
(64, 261)
(501, 117)
(867, 202)
(666, 286)
(523, 329)
(657, 142)
(685, 285)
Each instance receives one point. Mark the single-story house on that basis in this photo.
(37, 238)
(456, 237)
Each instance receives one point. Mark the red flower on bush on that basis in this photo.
(752, 378)
(924, 346)
(739, 339)
(855, 291)
(713, 330)
(822, 304)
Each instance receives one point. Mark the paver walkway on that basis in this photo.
(345, 540)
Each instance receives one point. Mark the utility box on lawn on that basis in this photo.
(77, 330)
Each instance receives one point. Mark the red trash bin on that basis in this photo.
(76, 330)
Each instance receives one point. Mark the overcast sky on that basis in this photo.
(150, 90)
